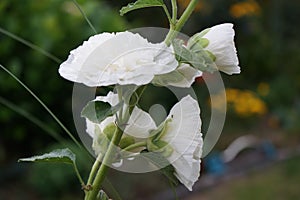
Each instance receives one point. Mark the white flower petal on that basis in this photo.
(121, 58)
(189, 73)
(184, 136)
(139, 124)
(221, 44)
(110, 98)
(91, 126)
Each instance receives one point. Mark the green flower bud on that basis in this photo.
(198, 39)
(109, 130)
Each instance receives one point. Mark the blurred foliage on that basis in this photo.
(267, 39)
(57, 27)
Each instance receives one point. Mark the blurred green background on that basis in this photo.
(264, 100)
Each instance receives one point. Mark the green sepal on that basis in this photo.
(162, 130)
(58, 155)
(196, 38)
(97, 111)
(196, 57)
(160, 146)
(100, 143)
(141, 4)
(211, 55)
(126, 141)
(103, 138)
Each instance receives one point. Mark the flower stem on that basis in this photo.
(174, 11)
(175, 28)
(92, 195)
(78, 175)
(167, 13)
(94, 169)
(186, 14)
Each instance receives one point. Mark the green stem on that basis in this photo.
(85, 17)
(94, 169)
(186, 14)
(174, 11)
(175, 28)
(134, 146)
(78, 175)
(167, 13)
(92, 195)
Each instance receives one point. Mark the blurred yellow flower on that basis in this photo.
(246, 8)
(244, 103)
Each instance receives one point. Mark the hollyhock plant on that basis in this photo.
(124, 64)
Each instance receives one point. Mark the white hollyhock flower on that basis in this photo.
(117, 58)
(183, 139)
(221, 45)
(183, 134)
(138, 125)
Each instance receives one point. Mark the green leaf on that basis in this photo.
(196, 57)
(167, 79)
(141, 4)
(163, 164)
(97, 111)
(58, 155)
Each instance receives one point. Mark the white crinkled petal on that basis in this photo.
(189, 73)
(221, 44)
(139, 124)
(72, 67)
(184, 135)
(91, 126)
(121, 58)
(110, 98)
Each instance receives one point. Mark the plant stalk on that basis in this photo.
(175, 28)
(92, 195)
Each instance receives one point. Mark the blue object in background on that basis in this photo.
(214, 164)
(269, 150)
